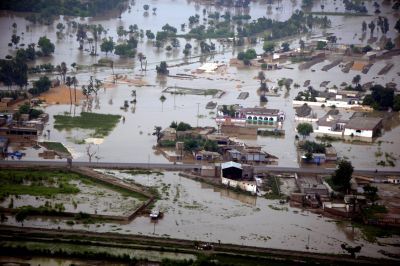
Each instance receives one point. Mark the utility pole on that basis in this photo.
(198, 109)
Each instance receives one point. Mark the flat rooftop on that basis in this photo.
(363, 123)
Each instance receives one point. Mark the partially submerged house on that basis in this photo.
(367, 127)
(234, 175)
(331, 124)
(258, 115)
(356, 126)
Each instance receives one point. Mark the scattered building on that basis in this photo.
(233, 175)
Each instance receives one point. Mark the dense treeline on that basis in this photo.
(61, 7)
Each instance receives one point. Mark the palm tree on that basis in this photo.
(75, 83)
(141, 58)
(63, 70)
(162, 99)
(69, 82)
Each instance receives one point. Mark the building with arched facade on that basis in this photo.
(255, 115)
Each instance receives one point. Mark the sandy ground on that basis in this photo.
(60, 95)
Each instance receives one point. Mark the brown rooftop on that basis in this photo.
(364, 123)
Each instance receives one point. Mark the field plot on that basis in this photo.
(58, 192)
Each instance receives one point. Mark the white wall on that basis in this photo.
(244, 185)
(364, 133)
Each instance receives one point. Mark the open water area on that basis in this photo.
(200, 212)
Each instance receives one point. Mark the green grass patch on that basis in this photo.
(36, 183)
(102, 124)
(55, 146)
(371, 233)
(142, 172)
(273, 183)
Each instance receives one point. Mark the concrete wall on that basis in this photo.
(363, 133)
(243, 185)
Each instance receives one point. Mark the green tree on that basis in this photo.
(157, 132)
(389, 45)
(371, 192)
(356, 79)
(46, 46)
(210, 145)
(107, 45)
(285, 46)
(162, 69)
(396, 103)
(162, 99)
(269, 47)
(304, 129)
(342, 176)
(397, 26)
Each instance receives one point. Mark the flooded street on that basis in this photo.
(197, 211)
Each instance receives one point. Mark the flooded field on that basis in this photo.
(198, 211)
(85, 196)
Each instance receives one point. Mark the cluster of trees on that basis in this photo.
(26, 109)
(382, 98)
(162, 69)
(246, 56)
(234, 3)
(13, 72)
(48, 9)
(298, 23)
(355, 6)
(41, 85)
(307, 95)
(181, 126)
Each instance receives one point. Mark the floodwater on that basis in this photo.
(132, 141)
(201, 212)
(91, 198)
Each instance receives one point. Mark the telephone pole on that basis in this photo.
(198, 109)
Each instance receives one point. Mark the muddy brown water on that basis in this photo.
(200, 212)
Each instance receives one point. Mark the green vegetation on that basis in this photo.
(342, 176)
(312, 146)
(346, 14)
(271, 133)
(307, 95)
(102, 124)
(304, 129)
(272, 183)
(142, 172)
(40, 86)
(47, 209)
(382, 98)
(55, 146)
(46, 46)
(36, 183)
(182, 126)
(48, 9)
(327, 138)
(247, 56)
(371, 232)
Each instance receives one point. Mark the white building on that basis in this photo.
(258, 115)
(367, 127)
